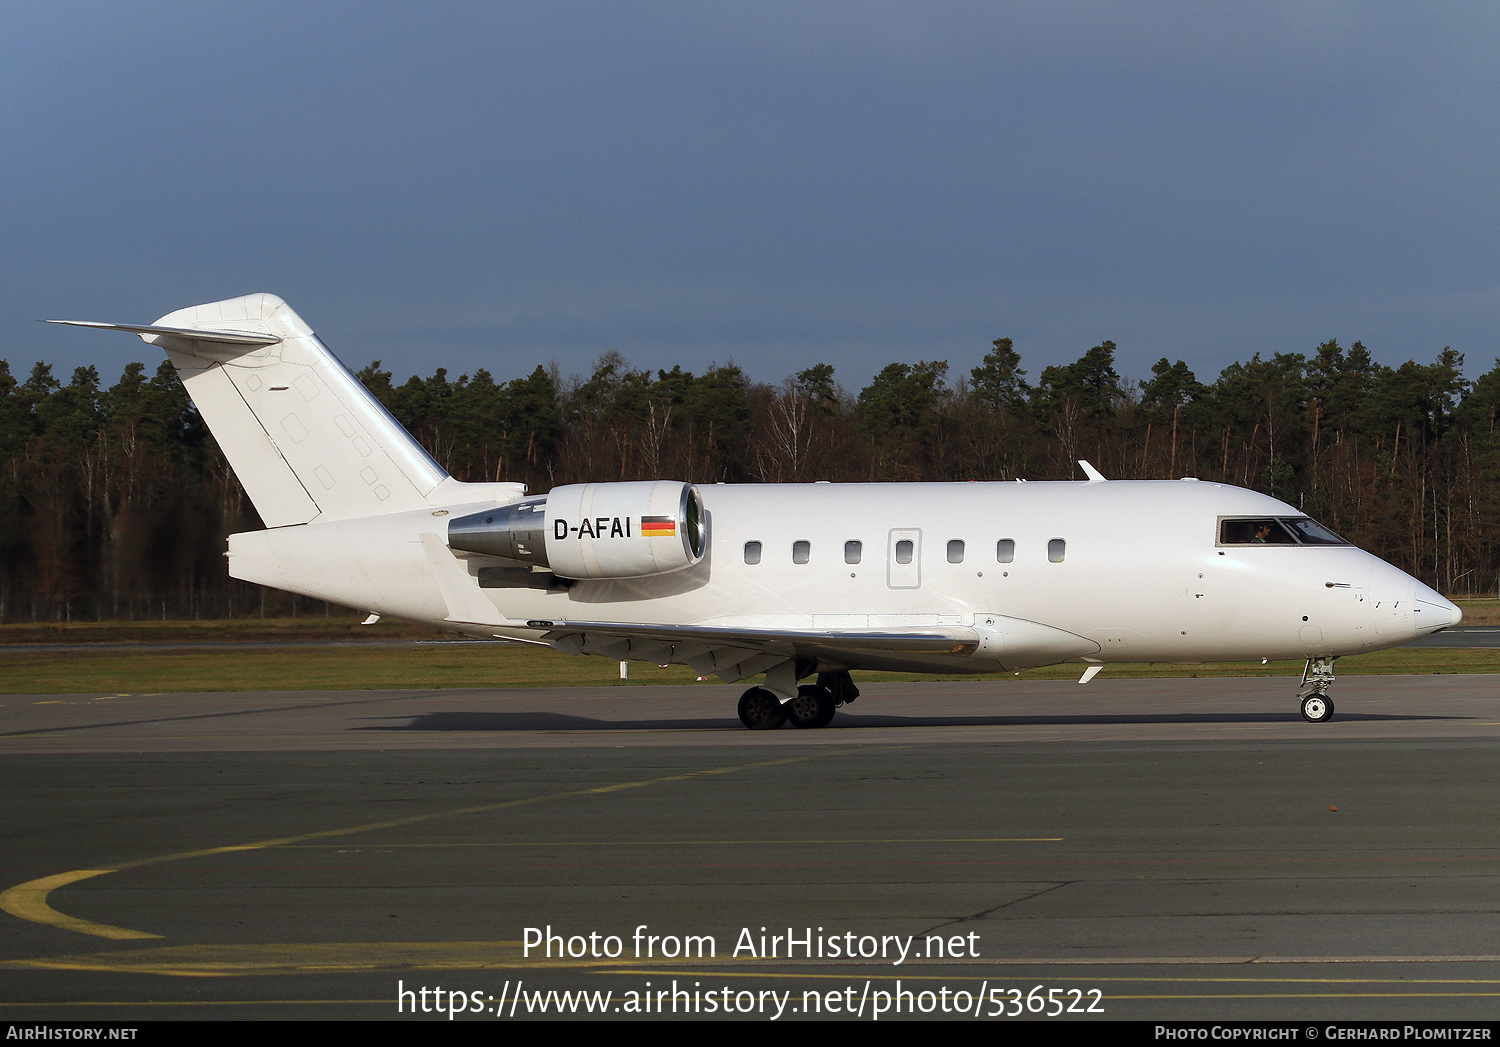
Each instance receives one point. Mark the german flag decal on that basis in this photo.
(658, 526)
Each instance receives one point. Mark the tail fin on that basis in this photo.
(305, 437)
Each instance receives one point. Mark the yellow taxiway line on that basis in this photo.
(29, 900)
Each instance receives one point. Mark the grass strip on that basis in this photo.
(422, 666)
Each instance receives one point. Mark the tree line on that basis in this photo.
(115, 502)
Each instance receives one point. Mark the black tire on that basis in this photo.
(1317, 708)
(760, 710)
(812, 708)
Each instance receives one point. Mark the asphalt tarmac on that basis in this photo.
(1143, 849)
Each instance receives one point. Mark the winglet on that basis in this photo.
(1094, 475)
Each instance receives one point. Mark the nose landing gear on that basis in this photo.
(1317, 707)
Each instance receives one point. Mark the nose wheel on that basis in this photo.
(1317, 707)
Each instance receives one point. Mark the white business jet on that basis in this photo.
(785, 581)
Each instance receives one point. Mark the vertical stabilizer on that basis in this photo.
(305, 437)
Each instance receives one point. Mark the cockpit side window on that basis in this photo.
(1266, 530)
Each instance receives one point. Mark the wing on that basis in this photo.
(734, 653)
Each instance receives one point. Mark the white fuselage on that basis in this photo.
(1139, 572)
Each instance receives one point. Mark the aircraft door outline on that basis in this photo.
(903, 558)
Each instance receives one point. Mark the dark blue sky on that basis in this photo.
(500, 185)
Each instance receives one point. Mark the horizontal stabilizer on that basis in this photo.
(224, 337)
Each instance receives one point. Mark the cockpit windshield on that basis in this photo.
(1310, 532)
(1285, 530)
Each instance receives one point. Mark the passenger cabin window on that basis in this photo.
(1266, 530)
(1005, 550)
(1057, 550)
(752, 552)
(956, 550)
(853, 551)
(801, 551)
(903, 551)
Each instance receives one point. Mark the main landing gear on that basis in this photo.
(1317, 707)
(760, 710)
(814, 706)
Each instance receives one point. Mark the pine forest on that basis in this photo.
(116, 501)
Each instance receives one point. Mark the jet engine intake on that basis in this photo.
(602, 530)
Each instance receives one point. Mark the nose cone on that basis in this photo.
(1432, 612)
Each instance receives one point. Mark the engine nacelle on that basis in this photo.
(606, 530)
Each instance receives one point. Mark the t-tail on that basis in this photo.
(307, 440)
